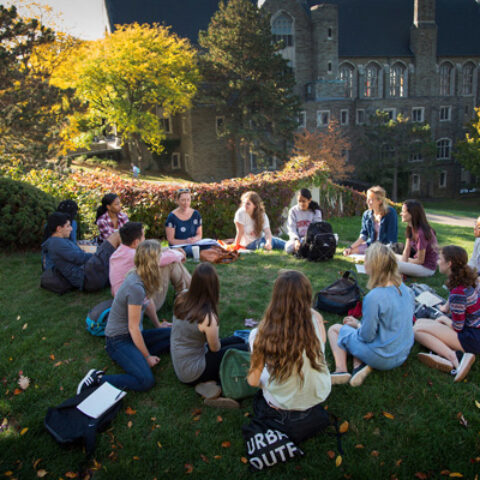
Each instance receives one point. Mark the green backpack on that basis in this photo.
(233, 374)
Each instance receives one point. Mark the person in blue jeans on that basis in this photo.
(134, 349)
(252, 225)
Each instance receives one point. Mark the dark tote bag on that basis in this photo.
(340, 296)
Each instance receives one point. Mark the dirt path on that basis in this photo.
(454, 220)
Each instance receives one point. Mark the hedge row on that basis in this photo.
(150, 203)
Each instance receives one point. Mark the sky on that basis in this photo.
(85, 19)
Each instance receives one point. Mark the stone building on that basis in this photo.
(420, 58)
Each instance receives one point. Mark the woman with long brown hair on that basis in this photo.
(461, 333)
(384, 337)
(288, 360)
(134, 349)
(252, 225)
(419, 257)
(196, 348)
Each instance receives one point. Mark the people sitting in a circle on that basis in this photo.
(110, 217)
(196, 347)
(461, 333)
(300, 216)
(85, 271)
(288, 360)
(171, 264)
(383, 338)
(379, 222)
(184, 224)
(135, 350)
(420, 255)
(252, 225)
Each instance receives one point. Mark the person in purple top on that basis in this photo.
(420, 255)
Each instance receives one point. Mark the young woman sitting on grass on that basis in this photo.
(419, 257)
(384, 337)
(379, 222)
(134, 349)
(300, 217)
(110, 217)
(253, 226)
(288, 360)
(196, 348)
(461, 333)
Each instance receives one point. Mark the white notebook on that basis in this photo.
(101, 400)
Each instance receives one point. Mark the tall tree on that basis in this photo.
(468, 150)
(389, 145)
(329, 146)
(249, 82)
(127, 80)
(30, 108)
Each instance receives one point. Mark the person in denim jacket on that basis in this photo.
(379, 223)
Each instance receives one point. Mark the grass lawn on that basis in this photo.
(465, 207)
(44, 336)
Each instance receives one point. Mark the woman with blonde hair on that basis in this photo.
(134, 349)
(252, 225)
(379, 222)
(288, 360)
(460, 333)
(384, 337)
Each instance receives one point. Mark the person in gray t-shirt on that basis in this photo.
(134, 349)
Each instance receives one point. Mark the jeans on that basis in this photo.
(297, 424)
(214, 359)
(277, 244)
(122, 350)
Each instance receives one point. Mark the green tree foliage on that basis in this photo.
(388, 147)
(468, 150)
(30, 108)
(129, 80)
(248, 81)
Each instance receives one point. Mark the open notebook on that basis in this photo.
(101, 400)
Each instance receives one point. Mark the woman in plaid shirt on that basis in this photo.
(110, 218)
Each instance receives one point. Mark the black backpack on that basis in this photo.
(319, 243)
(67, 424)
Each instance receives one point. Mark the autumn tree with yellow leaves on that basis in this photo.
(129, 80)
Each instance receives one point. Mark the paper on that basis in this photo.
(203, 241)
(360, 268)
(101, 400)
(357, 257)
(429, 299)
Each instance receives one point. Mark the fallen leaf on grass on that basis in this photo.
(57, 364)
(331, 454)
(25, 326)
(8, 473)
(344, 427)
(359, 445)
(17, 391)
(129, 424)
(23, 382)
(41, 473)
(135, 457)
(462, 419)
(36, 462)
(188, 468)
(456, 475)
(23, 431)
(130, 411)
(196, 419)
(217, 457)
(71, 475)
(375, 453)
(477, 403)
(388, 415)
(338, 461)
(51, 356)
(421, 475)
(226, 444)
(398, 462)
(219, 419)
(445, 472)
(204, 458)
(368, 416)
(197, 411)
(244, 460)
(159, 445)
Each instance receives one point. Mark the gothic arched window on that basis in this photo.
(346, 75)
(398, 87)
(467, 78)
(371, 80)
(282, 29)
(446, 70)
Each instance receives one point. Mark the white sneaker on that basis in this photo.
(359, 374)
(464, 367)
(435, 361)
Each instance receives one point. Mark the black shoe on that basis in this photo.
(91, 379)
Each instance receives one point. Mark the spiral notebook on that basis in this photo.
(101, 400)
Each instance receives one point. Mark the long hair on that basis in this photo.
(146, 260)
(461, 274)
(258, 213)
(202, 297)
(287, 331)
(419, 220)
(69, 207)
(313, 206)
(56, 219)
(380, 195)
(107, 199)
(382, 265)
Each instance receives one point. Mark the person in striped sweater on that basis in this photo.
(455, 340)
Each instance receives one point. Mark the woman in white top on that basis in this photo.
(288, 360)
(253, 226)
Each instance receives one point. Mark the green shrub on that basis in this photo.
(23, 210)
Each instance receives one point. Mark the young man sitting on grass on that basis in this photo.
(171, 268)
(85, 271)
